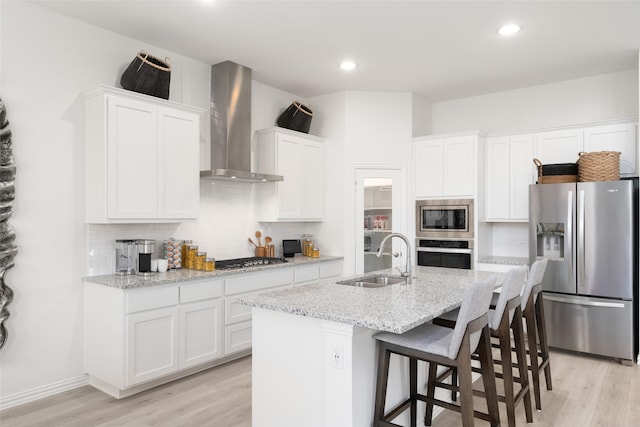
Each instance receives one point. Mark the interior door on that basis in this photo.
(379, 210)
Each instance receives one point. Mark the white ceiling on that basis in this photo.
(437, 49)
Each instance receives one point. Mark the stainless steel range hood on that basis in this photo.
(231, 126)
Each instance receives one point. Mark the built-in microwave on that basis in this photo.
(452, 218)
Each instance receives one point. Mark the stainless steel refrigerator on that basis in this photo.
(589, 233)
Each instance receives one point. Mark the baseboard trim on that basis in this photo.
(23, 397)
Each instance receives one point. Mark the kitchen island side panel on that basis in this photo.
(318, 373)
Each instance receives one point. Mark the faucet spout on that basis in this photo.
(408, 273)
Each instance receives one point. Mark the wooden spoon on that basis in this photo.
(252, 242)
(267, 240)
(258, 235)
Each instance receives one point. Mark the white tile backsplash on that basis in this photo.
(225, 223)
(511, 239)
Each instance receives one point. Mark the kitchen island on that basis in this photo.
(314, 358)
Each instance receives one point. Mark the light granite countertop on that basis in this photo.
(394, 308)
(186, 274)
(505, 260)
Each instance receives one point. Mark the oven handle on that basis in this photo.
(445, 250)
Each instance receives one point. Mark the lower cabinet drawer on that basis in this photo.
(146, 299)
(330, 269)
(237, 337)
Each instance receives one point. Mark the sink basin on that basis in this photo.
(373, 281)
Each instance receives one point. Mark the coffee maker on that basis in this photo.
(126, 257)
(146, 248)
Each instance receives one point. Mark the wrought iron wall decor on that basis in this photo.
(8, 248)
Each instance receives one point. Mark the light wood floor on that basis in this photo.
(587, 391)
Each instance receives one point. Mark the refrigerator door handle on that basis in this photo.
(569, 246)
(580, 240)
(582, 302)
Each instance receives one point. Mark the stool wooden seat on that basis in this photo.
(438, 345)
(505, 318)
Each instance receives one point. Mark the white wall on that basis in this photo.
(47, 61)
(363, 128)
(590, 99)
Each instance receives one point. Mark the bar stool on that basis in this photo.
(438, 345)
(505, 318)
(533, 313)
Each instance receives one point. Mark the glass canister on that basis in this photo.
(192, 252)
(209, 264)
(200, 257)
(315, 252)
(184, 247)
(307, 244)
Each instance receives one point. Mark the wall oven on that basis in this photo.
(444, 233)
(445, 253)
(444, 219)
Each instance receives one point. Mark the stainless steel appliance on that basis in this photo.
(237, 263)
(451, 218)
(589, 233)
(146, 248)
(445, 253)
(231, 126)
(126, 253)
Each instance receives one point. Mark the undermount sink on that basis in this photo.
(373, 281)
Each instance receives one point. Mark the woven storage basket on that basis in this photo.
(148, 74)
(599, 166)
(552, 179)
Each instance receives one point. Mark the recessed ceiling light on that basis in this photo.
(348, 65)
(509, 29)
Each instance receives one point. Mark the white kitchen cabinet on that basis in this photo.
(509, 173)
(200, 322)
(445, 166)
(136, 336)
(615, 137)
(563, 146)
(559, 146)
(237, 330)
(142, 158)
(299, 158)
(152, 345)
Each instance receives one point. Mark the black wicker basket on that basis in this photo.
(148, 74)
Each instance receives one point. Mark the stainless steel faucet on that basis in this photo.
(408, 274)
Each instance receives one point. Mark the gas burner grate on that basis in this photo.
(231, 264)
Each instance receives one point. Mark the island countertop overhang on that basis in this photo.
(393, 308)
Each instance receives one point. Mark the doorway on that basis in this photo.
(380, 202)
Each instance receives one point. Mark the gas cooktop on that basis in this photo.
(231, 264)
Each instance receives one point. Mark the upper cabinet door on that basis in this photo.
(615, 137)
(429, 168)
(178, 164)
(498, 178)
(509, 174)
(445, 166)
(132, 159)
(299, 158)
(289, 155)
(520, 175)
(561, 146)
(459, 166)
(141, 158)
(313, 192)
